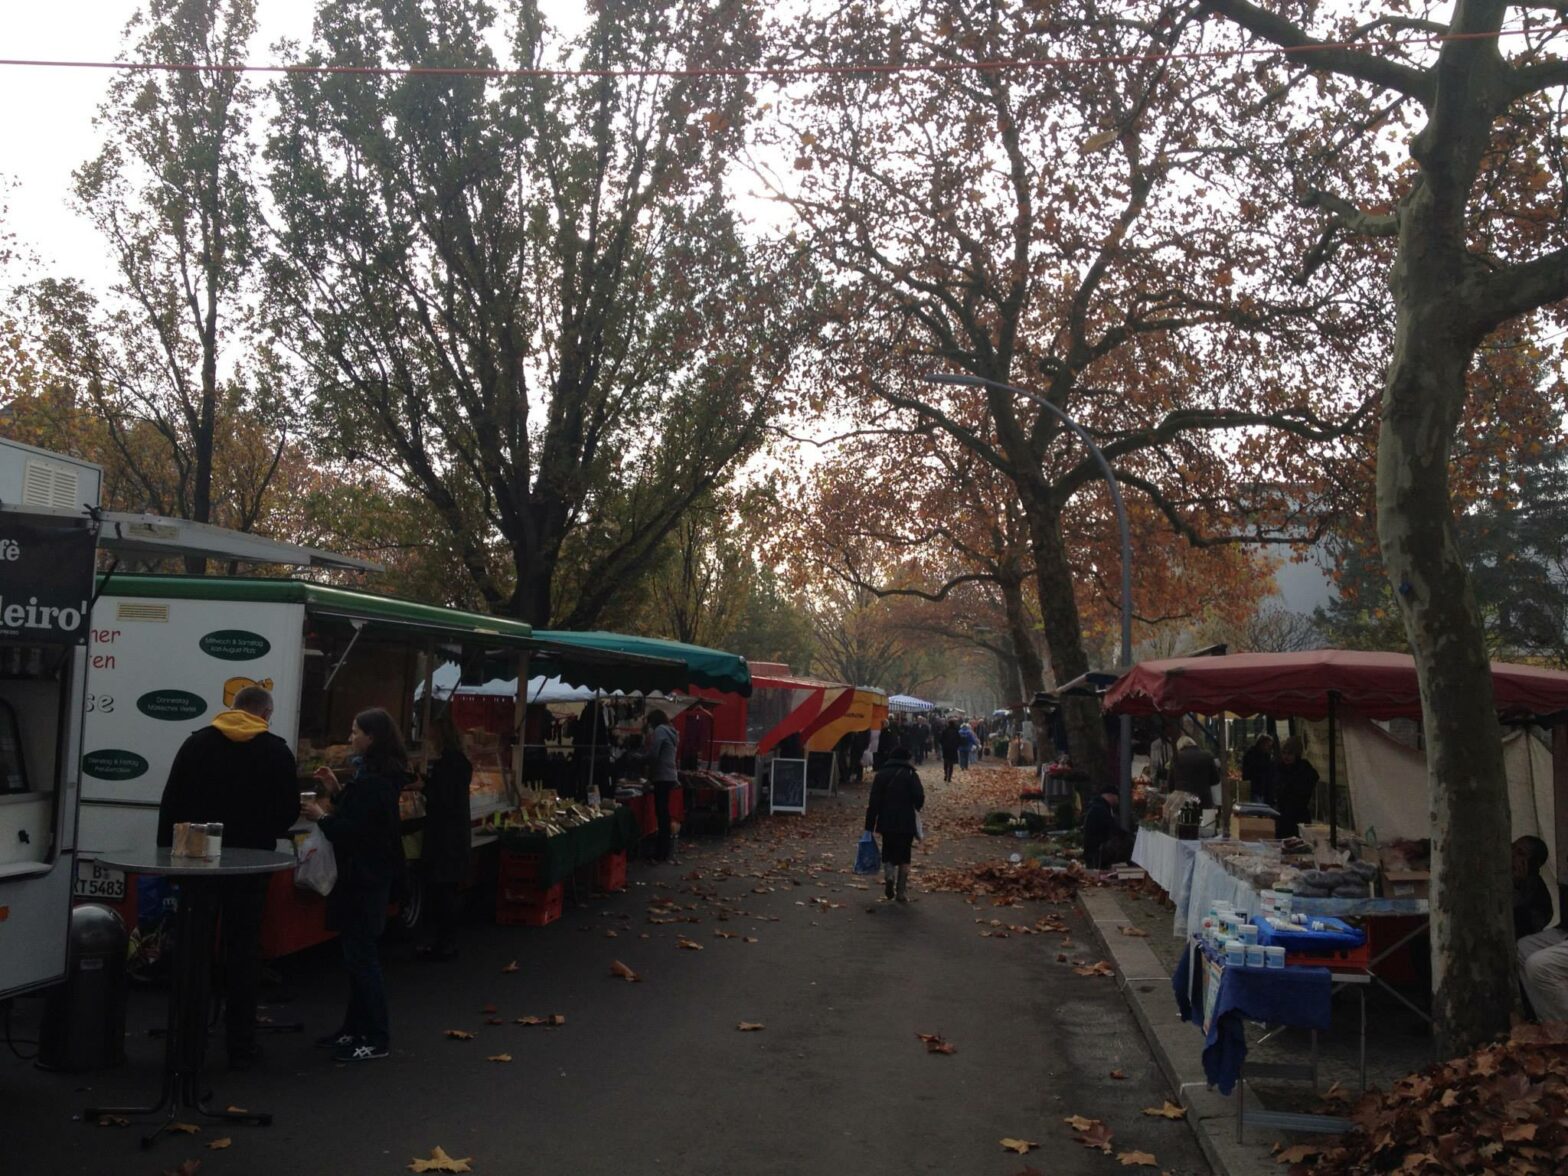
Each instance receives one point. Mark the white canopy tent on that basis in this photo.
(909, 704)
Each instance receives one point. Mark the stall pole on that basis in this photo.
(519, 726)
(424, 711)
(1124, 767)
(1333, 784)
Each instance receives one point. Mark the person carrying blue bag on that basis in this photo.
(897, 797)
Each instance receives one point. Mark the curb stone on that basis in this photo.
(1177, 1047)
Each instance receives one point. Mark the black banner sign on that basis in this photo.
(46, 579)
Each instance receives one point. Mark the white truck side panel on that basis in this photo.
(158, 669)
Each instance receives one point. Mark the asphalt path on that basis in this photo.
(654, 1076)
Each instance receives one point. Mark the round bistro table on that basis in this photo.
(195, 929)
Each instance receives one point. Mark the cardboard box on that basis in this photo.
(1252, 828)
(1407, 884)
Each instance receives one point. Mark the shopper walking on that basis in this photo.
(966, 745)
(235, 770)
(662, 774)
(897, 796)
(363, 826)
(448, 836)
(951, 741)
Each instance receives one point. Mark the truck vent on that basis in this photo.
(46, 484)
(133, 610)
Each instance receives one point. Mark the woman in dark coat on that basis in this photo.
(1298, 784)
(1259, 769)
(443, 855)
(896, 797)
(364, 828)
(951, 741)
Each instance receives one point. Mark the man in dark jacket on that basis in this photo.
(1194, 770)
(1102, 831)
(1532, 900)
(1297, 787)
(238, 772)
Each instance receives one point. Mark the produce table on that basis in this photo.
(561, 855)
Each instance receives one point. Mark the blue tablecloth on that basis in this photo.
(1299, 997)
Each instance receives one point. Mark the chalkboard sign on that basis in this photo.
(821, 771)
(788, 786)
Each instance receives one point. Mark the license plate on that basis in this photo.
(95, 881)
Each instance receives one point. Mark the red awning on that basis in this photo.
(1374, 685)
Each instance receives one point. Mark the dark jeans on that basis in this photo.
(947, 768)
(443, 903)
(661, 809)
(362, 914)
(241, 903)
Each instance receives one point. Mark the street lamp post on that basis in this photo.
(1124, 775)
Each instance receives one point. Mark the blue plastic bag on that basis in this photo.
(867, 859)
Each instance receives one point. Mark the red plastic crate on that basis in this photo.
(1356, 959)
(609, 872)
(519, 867)
(529, 906)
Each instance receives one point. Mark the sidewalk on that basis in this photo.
(1177, 1046)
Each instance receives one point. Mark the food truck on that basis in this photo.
(48, 543)
(51, 529)
(168, 653)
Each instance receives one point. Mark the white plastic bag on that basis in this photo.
(316, 866)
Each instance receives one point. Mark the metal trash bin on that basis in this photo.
(84, 1018)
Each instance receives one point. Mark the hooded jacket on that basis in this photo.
(235, 771)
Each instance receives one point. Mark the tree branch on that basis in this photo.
(1366, 67)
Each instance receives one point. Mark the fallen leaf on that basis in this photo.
(1096, 969)
(935, 1043)
(113, 1121)
(503, 1057)
(511, 967)
(1299, 1154)
(1137, 1159)
(1519, 1133)
(1021, 1146)
(750, 1026)
(611, 934)
(1118, 1075)
(557, 1019)
(220, 1144)
(185, 1128)
(529, 1021)
(1079, 1123)
(495, 1020)
(489, 1010)
(1136, 933)
(688, 944)
(623, 972)
(459, 1034)
(237, 1111)
(1167, 1110)
(749, 939)
(439, 1161)
(1098, 1137)
(186, 1168)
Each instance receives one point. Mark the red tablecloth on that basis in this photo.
(648, 817)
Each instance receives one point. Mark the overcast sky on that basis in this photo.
(47, 127)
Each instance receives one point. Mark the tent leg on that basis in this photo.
(1333, 766)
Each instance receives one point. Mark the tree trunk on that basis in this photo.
(1064, 640)
(1473, 964)
(1026, 660)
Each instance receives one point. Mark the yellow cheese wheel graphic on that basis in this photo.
(234, 685)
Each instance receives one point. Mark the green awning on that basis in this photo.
(326, 601)
(567, 655)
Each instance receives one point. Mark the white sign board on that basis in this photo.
(159, 669)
